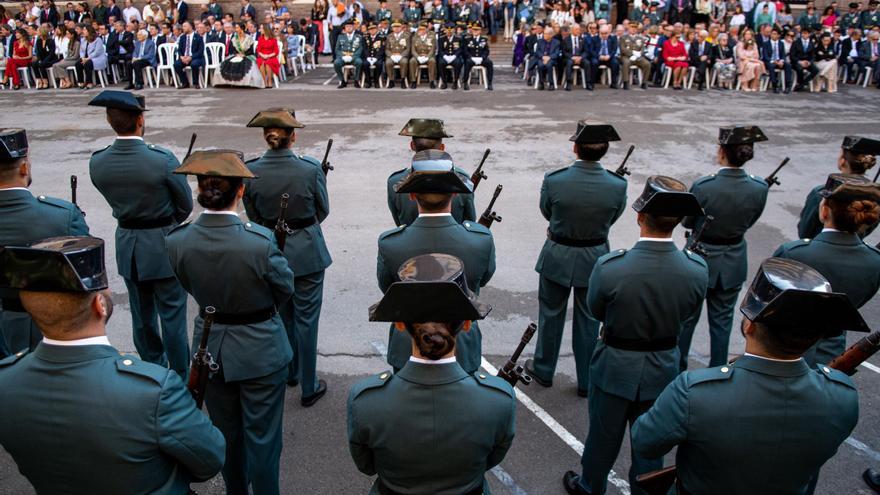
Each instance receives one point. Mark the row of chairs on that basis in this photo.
(482, 75)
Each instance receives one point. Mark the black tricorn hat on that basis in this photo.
(594, 133)
(741, 134)
(790, 295)
(667, 197)
(432, 288)
(850, 187)
(13, 144)
(57, 264)
(861, 145)
(121, 100)
(434, 172)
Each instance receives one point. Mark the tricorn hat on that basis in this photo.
(13, 144)
(432, 288)
(284, 118)
(667, 197)
(790, 295)
(57, 264)
(594, 133)
(741, 134)
(396, 22)
(434, 172)
(850, 187)
(216, 163)
(425, 128)
(861, 145)
(120, 100)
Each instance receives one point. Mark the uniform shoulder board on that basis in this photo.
(788, 246)
(548, 174)
(258, 229)
(134, 366)
(612, 174)
(707, 178)
(375, 381)
(159, 149)
(759, 180)
(389, 233)
(253, 159)
(101, 150)
(60, 203)
(617, 253)
(695, 257)
(703, 375)
(836, 375)
(400, 172)
(179, 227)
(472, 226)
(10, 360)
(308, 159)
(490, 381)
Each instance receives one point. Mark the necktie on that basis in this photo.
(141, 53)
(775, 52)
(228, 39)
(701, 50)
(574, 42)
(186, 50)
(604, 47)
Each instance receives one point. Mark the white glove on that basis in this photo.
(346, 58)
(633, 57)
(636, 55)
(396, 58)
(422, 60)
(448, 58)
(477, 60)
(372, 61)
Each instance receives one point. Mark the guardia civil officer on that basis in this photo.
(581, 202)
(236, 267)
(25, 219)
(433, 184)
(849, 205)
(449, 57)
(735, 199)
(641, 296)
(857, 156)
(78, 416)
(432, 428)
(148, 201)
(767, 422)
(281, 171)
(476, 53)
(426, 134)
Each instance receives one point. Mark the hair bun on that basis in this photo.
(864, 212)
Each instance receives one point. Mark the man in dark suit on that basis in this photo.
(547, 53)
(680, 11)
(213, 35)
(529, 49)
(120, 45)
(113, 11)
(182, 12)
(70, 14)
(576, 54)
(774, 56)
(226, 37)
(48, 14)
(191, 53)
(247, 8)
(699, 56)
(802, 52)
(851, 56)
(144, 56)
(604, 52)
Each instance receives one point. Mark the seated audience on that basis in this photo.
(144, 56)
(749, 64)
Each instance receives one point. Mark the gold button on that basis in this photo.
(826, 369)
(383, 376)
(725, 369)
(19, 354)
(128, 362)
(482, 376)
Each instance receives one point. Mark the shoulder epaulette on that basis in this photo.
(401, 171)
(258, 229)
(695, 257)
(159, 149)
(477, 227)
(494, 382)
(310, 160)
(836, 375)
(788, 246)
(612, 174)
(375, 381)
(759, 180)
(391, 232)
(703, 375)
(60, 203)
(10, 360)
(179, 227)
(704, 179)
(133, 365)
(102, 149)
(253, 159)
(617, 253)
(554, 172)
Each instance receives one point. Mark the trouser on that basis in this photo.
(338, 64)
(824, 351)
(643, 65)
(389, 68)
(469, 64)
(166, 298)
(249, 414)
(301, 317)
(374, 72)
(545, 71)
(125, 62)
(335, 31)
(700, 71)
(414, 69)
(774, 77)
(720, 305)
(43, 69)
(85, 71)
(468, 348)
(18, 332)
(137, 69)
(456, 70)
(12, 66)
(611, 63)
(805, 75)
(854, 67)
(876, 70)
(181, 73)
(569, 68)
(553, 306)
(609, 415)
(657, 66)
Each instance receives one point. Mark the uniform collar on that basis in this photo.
(99, 340)
(217, 220)
(432, 363)
(732, 171)
(771, 367)
(15, 194)
(129, 138)
(587, 165)
(74, 354)
(653, 245)
(434, 222)
(838, 237)
(278, 153)
(128, 141)
(430, 374)
(429, 215)
(656, 239)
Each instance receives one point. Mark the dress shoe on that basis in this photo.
(467, 87)
(589, 86)
(541, 87)
(455, 85)
(357, 84)
(368, 84)
(129, 87)
(412, 85)
(644, 86)
(571, 485)
(138, 87)
(390, 84)
(530, 81)
(292, 382)
(550, 87)
(433, 85)
(568, 87)
(489, 87)
(787, 90)
(343, 84)
(776, 90)
(530, 369)
(315, 397)
(872, 478)
(626, 86)
(183, 86)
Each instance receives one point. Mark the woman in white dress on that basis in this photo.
(240, 67)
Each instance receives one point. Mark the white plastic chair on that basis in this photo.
(167, 54)
(866, 75)
(25, 74)
(578, 72)
(634, 72)
(538, 78)
(605, 75)
(482, 74)
(214, 55)
(300, 56)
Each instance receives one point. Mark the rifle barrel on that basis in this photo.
(192, 142)
(622, 170)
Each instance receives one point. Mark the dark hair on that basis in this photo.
(217, 193)
(423, 143)
(433, 202)
(592, 152)
(661, 224)
(434, 340)
(785, 342)
(123, 121)
(853, 216)
(859, 163)
(738, 154)
(277, 138)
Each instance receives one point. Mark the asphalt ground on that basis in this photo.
(527, 130)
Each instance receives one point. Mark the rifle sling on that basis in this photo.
(578, 243)
(298, 224)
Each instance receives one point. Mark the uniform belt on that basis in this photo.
(153, 223)
(293, 224)
(258, 316)
(580, 243)
(722, 241)
(639, 345)
(384, 490)
(10, 304)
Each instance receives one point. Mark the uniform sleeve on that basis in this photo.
(690, 222)
(279, 275)
(546, 204)
(595, 296)
(181, 193)
(185, 434)
(664, 425)
(763, 198)
(621, 207)
(392, 205)
(490, 265)
(78, 225)
(250, 206)
(809, 220)
(470, 211)
(322, 198)
(505, 440)
(361, 453)
(383, 275)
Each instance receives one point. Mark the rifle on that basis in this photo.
(659, 482)
(512, 372)
(478, 174)
(281, 224)
(192, 141)
(202, 363)
(694, 239)
(73, 183)
(622, 170)
(877, 175)
(325, 165)
(771, 179)
(490, 216)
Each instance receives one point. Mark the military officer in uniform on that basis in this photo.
(849, 205)
(383, 13)
(78, 416)
(374, 56)
(236, 267)
(871, 16)
(148, 201)
(735, 199)
(853, 18)
(857, 156)
(784, 420)
(439, 15)
(476, 52)
(433, 183)
(412, 14)
(25, 219)
(433, 427)
(397, 50)
(632, 53)
(349, 51)
(424, 52)
(426, 134)
(280, 171)
(641, 296)
(581, 202)
(449, 57)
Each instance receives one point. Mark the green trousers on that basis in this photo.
(163, 298)
(301, 315)
(720, 307)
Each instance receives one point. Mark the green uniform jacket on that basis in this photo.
(136, 179)
(809, 225)
(642, 294)
(353, 47)
(736, 200)
(87, 420)
(471, 242)
(237, 268)
(281, 171)
(405, 210)
(755, 426)
(581, 202)
(431, 428)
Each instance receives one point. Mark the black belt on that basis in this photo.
(13, 305)
(153, 223)
(722, 241)
(639, 345)
(258, 316)
(384, 490)
(293, 224)
(579, 243)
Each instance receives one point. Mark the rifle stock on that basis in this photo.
(202, 362)
(694, 239)
(281, 224)
(489, 216)
(771, 179)
(325, 165)
(478, 174)
(622, 170)
(512, 372)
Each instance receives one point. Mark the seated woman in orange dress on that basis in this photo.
(748, 58)
(267, 55)
(22, 54)
(675, 57)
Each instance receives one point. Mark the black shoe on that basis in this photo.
(433, 85)
(467, 87)
(550, 87)
(185, 86)
(129, 87)
(138, 87)
(799, 88)
(315, 397)
(357, 84)
(570, 483)
(455, 85)
(626, 86)
(583, 393)
(368, 84)
(403, 85)
(293, 382)
(530, 369)
(342, 84)
(412, 85)
(541, 87)
(489, 87)
(644, 86)
(529, 81)
(872, 479)
(589, 86)
(391, 84)
(568, 87)
(776, 90)
(700, 87)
